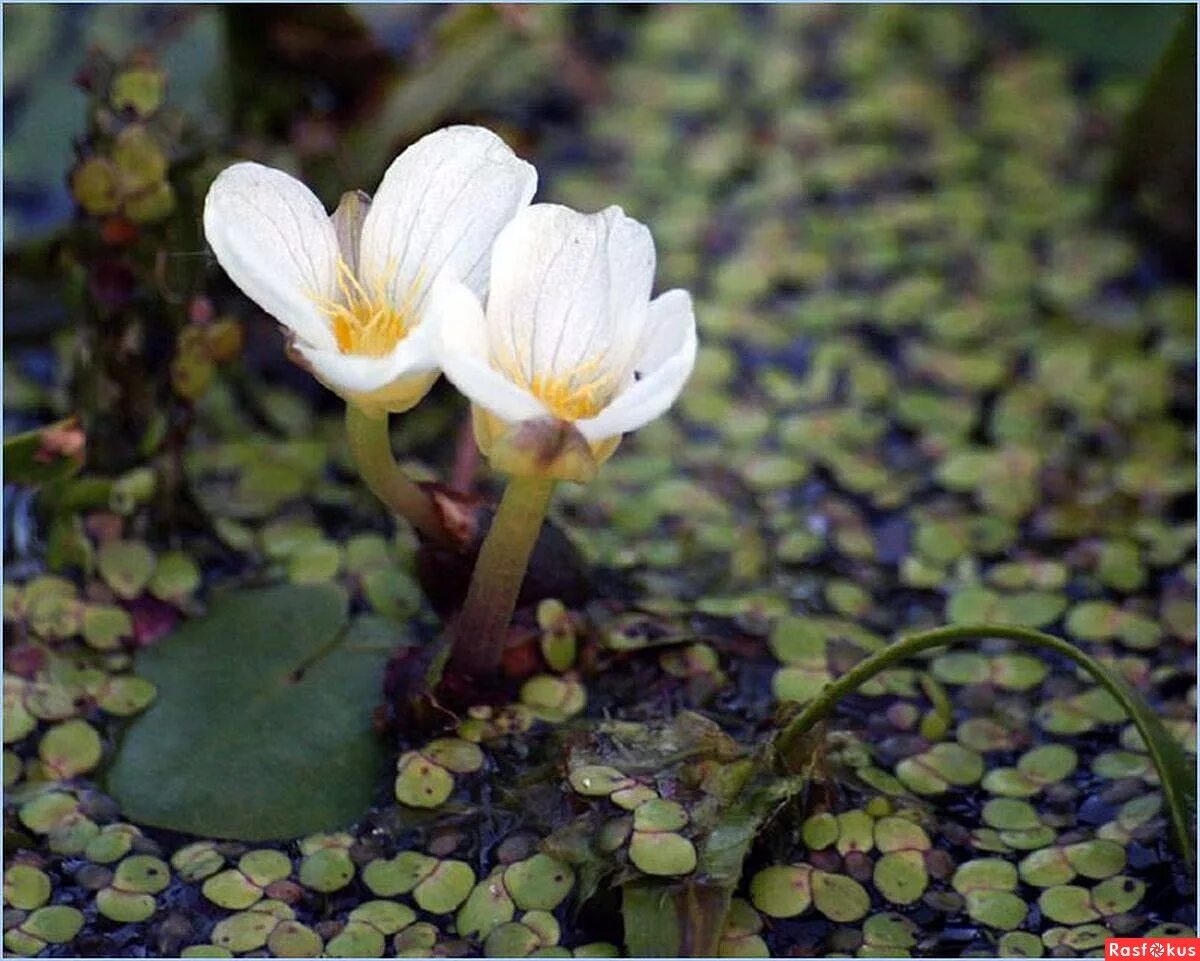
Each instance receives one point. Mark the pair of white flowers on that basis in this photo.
(389, 291)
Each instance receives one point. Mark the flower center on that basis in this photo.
(363, 319)
(576, 395)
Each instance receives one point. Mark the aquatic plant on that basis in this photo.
(354, 291)
(570, 354)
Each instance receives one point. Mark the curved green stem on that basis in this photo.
(371, 448)
(1175, 771)
(477, 634)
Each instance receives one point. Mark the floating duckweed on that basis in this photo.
(1080, 713)
(327, 869)
(1085, 937)
(142, 873)
(245, 931)
(1019, 944)
(19, 723)
(630, 798)
(782, 891)
(887, 935)
(545, 924)
(662, 853)
(399, 875)
(291, 939)
(597, 949)
(856, 832)
(1131, 817)
(1035, 769)
(26, 887)
(357, 939)
(552, 698)
(987, 885)
(800, 645)
(1055, 866)
(596, 780)
(557, 641)
(1010, 814)
(445, 887)
(265, 866)
(511, 940)
(13, 768)
(943, 765)
(900, 874)
(659, 815)
(105, 626)
(124, 906)
(314, 563)
(197, 861)
(539, 882)
(176, 578)
(421, 783)
(47, 810)
(129, 897)
(53, 924)
(838, 897)
(454, 754)
(820, 831)
(70, 748)
(123, 695)
(1067, 904)
(740, 936)
(487, 906)
(126, 567)
(387, 917)
(1121, 764)
(52, 608)
(232, 889)
(1097, 859)
(415, 941)
(1013, 672)
(205, 951)
(1118, 894)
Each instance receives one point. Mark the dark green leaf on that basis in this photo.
(262, 727)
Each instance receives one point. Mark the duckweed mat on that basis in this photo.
(935, 385)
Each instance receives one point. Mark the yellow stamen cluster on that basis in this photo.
(575, 395)
(364, 320)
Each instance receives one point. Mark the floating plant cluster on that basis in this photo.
(932, 387)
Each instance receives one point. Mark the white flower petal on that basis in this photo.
(438, 210)
(460, 335)
(354, 373)
(631, 263)
(275, 240)
(669, 354)
(565, 285)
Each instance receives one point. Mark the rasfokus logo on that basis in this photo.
(1153, 949)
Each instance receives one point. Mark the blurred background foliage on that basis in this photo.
(944, 262)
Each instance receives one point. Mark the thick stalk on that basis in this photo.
(371, 448)
(477, 634)
(1176, 774)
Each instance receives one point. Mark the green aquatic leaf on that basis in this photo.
(229, 749)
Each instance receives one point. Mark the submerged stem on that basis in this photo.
(1175, 772)
(477, 634)
(371, 448)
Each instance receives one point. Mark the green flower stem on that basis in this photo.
(477, 634)
(1175, 770)
(371, 448)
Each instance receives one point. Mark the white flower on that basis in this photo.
(355, 290)
(570, 338)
